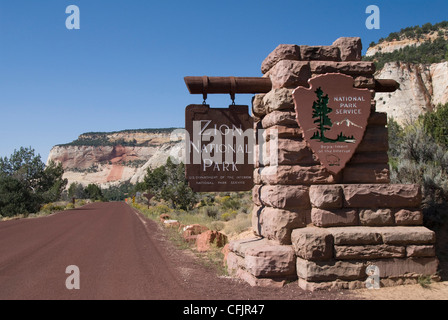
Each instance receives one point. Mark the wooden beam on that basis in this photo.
(253, 85)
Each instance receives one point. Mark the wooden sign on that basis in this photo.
(219, 148)
(333, 116)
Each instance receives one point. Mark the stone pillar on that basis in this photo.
(320, 228)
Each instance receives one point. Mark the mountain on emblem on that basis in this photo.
(333, 116)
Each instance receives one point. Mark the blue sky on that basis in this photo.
(124, 68)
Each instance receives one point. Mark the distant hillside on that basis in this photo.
(128, 138)
(427, 44)
(417, 58)
(112, 158)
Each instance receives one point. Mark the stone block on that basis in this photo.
(326, 197)
(258, 107)
(350, 48)
(282, 118)
(355, 235)
(366, 173)
(406, 217)
(234, 262)
(349, 68)
(270, 261)
(407, 235)
(312, 243)
(369, 252)
(283, 132)
(329, 270)
(295, 175)
(322, 53)
(285, 197)
(263, 282)
(382, 195)
(293, 152)
(334, 217)
(396, 267)
(277, 224)
(278, 99)
(240, 247)
(376, 217)
(290, 74)
(282, 52)
(420, 251)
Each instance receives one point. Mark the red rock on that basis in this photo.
(349, 68)
(285, 197)
(420, 251)
(284, 132)
(282, 118)
(334, 217)
(290, 74)
(326, 197)
(377, 217)
(277, 224)
(312, 243)
(366, 173)
(294, 152)
(406, 217)
(270, 261)
(282, 52)
(294, 175)
(206, 238)
(322, 53)
(350, 48)
(193, 230)
(278, 99)
(258, 108)
(382, 195)
(369, 252)
(401, 267)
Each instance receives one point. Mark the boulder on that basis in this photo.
(209, 237)
(192, 231)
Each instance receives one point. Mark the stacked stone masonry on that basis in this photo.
(316, 227)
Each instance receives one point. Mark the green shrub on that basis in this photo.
(229, 215)
(69, 206)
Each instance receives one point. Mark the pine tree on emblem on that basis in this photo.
(320, 113)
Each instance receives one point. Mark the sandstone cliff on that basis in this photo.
(113, 158)
(422, 88)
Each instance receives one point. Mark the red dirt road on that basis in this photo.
(120, 255)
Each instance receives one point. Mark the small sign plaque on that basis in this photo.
(219, 148)
(333, 115)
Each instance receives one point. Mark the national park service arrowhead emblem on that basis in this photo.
(333, 116)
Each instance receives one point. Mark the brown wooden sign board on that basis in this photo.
(208, 130)
(333, 116)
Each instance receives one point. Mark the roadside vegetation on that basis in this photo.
(419, 154)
